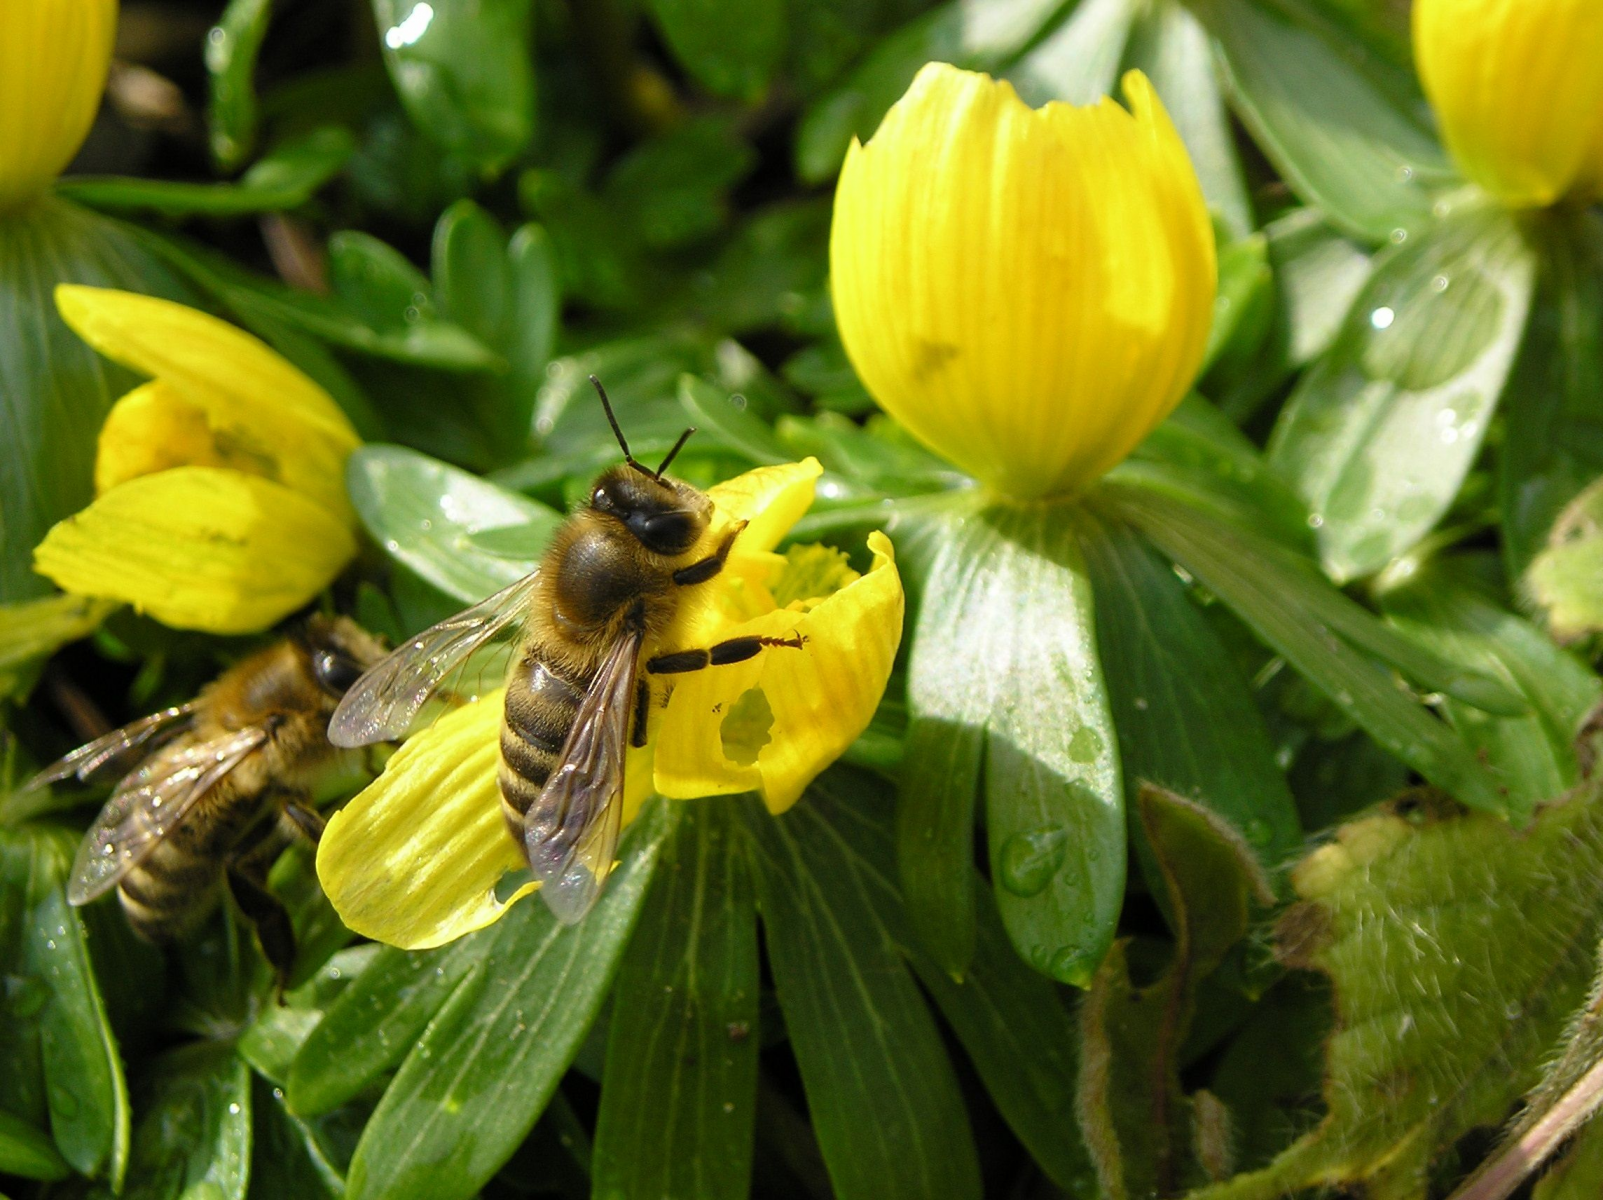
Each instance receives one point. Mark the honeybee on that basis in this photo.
(217, 788)
(585, 622)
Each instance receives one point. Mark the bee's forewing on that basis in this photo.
(113, 749)
(384, 703)
(148, 804)
(570, 833)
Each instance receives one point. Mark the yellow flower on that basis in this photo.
(1517, 86)
(53, 60)
(220, 485)
(414, 860)
(1028, 291)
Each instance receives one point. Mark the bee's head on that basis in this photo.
(666, 517)
(340, 650)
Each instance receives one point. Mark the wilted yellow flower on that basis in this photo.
(53, 60)
(220, 484)
(1517, 86)
(1028, 291)
(415, 858)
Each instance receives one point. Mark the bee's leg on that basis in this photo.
(642, 713)
(304, 820)
(700, 572)
(721, 654)
(248, 883)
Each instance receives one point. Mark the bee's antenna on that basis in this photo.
(617, 432)
(677, 446)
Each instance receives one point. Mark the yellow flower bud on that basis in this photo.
(1028, 291)
(53, 60)
(1517, 86)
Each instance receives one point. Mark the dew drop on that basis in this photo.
(1405, 173)
(1086, 745)
(1439, 284)
(1028, 860)
(1382, 317)
(1316, 520)
(1399, 236)
(233, 1108)
(1141, 703)
(729, 1106)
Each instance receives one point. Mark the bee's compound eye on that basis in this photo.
(669, 533)
(335, 672)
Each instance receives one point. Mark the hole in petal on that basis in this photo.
(745, 728)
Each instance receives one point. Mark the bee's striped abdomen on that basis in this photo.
(541, 706)
(170, 891)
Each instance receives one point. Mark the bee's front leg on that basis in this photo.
(700, 572)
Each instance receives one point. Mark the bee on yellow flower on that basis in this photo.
(220, 498)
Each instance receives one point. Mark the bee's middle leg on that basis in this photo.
(269, 918)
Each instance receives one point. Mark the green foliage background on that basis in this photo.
(1318, 682)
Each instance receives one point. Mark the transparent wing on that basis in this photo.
(571, 832)
(384, 703)
(147, 804)
(114, 750)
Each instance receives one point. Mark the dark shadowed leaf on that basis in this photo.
(678, 1097)
(27, 1151)
(194, 1132)
(883, 1097)
(729, 47)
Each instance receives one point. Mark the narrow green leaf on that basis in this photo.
(1554, 447)
(1420, 1056)
(1299, 615)
(279, 1031)
(1342, 128)
(54, 390)
(55, 1002)
(1445, 609)
(285, 178)
(286, 1159)
(461, 533)
(1022, 1040)
(1170, 45)
(1184, 716)
(28, 1151)
(1380, 433)
(678, 1097)
(231, 49)
(1142, 1129)
(730, 47)
(474, 1084)
(1563, 578)
(464, 71)
(373, 1024)
(718, 415)
(377, 282)
(194, 1138)
(884, 1100)
(1242, 309)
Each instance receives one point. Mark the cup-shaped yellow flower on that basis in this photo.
(220, 484)
(1517, 86)
(1028, 291)
(53, 60)
(415, 859)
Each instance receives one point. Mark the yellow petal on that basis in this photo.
(260, 409)
(414, 859)
(813, 701)
(1517, 86)
(769, 499)
(199, 548)
(53, 59)
(1028, 291)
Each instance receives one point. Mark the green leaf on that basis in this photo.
(1184, 716)
(377, 282)
(721, 418)
(1170, 45)
(1022, 1040)
(1554, 446)
(28, 1151)
(1323, 635)
(36, 629)
(1498, 957)
(231, 50)
(1005, 691)
(730, 47)
(678, 1097)
(1343, 128)
(194, 1137)
(286, 1158)
(1380, 434)
(374, 1023)
(1242, 308)
(464, 71)
(1564, 578)
(1442, 607)
(53, 1003)
(279, 1031)
(1078, 62)
(883, 1097)
(472, 1087)
(1147, 1137)
(1578, 1175)
(673, 190)
(54, 390)
(980, 36)
(462, 534)
(287, 177)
